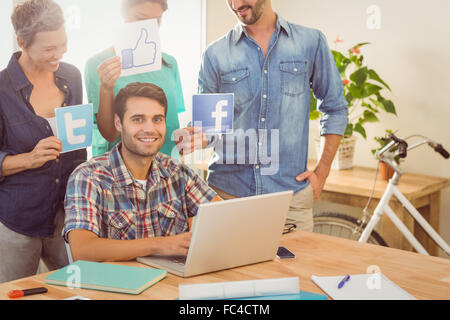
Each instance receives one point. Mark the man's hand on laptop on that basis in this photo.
(177, 245)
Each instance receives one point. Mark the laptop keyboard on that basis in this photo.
(181, 260)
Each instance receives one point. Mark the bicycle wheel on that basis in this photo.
(343, 226)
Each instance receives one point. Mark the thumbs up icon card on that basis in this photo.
(139, 46)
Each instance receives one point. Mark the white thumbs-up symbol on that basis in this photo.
(143, 54)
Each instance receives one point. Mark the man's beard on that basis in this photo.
(133, 148)
(256, 12)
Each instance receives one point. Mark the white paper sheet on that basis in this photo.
(371, 286)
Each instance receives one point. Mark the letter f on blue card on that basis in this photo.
(219, 114)
(214, 113)
(143, 54)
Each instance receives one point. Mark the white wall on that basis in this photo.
(182, 35)
(6, 32)
(410, 51)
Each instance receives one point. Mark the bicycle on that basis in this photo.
(346, 226)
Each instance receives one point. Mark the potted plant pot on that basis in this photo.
(386, 172)
(344, 155)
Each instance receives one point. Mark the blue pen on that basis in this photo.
(343, 281)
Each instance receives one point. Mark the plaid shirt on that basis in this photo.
(103, 197)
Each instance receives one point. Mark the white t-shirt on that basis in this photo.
(52, 122)
(143, 183)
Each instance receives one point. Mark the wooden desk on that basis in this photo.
(353, 187)
(424, 277)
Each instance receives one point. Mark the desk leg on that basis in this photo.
(431, 213)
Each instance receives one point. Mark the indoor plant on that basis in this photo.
(363, 90)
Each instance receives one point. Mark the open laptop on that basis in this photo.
(229, 234)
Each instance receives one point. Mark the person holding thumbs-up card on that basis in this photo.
(141, 55)
(137, 58)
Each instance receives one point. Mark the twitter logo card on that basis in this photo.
(213, 112)
(74, 126)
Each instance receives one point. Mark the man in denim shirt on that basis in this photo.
(270, 65)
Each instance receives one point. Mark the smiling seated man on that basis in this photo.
(133, 201)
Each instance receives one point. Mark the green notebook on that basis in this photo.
(106, 277)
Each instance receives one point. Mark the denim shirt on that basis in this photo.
(269, 147)
(30, 199)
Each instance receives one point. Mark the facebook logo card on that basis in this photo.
(74, 125)
(213, 112)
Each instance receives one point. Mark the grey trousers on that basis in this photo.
(300, 210)
(20, 255)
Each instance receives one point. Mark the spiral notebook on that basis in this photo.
(106, 277)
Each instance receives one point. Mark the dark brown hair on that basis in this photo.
(138, 89)
(128, 4)
(33, 16)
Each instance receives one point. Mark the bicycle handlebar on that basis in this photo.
(402, 147)
(439, 149)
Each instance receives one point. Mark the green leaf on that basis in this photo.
(359, 128)
(341, 61)
(370, 107)
(377, 104)
(314, 115)
(355, 60)
(359, 76)
(387, 104)
(369, 116)
(349, 130)
(370, 89)
(342, 69)
(339, 57)
(349, 98)
(356, 92)
(362, 44)
(374, 76)
(313, 101)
